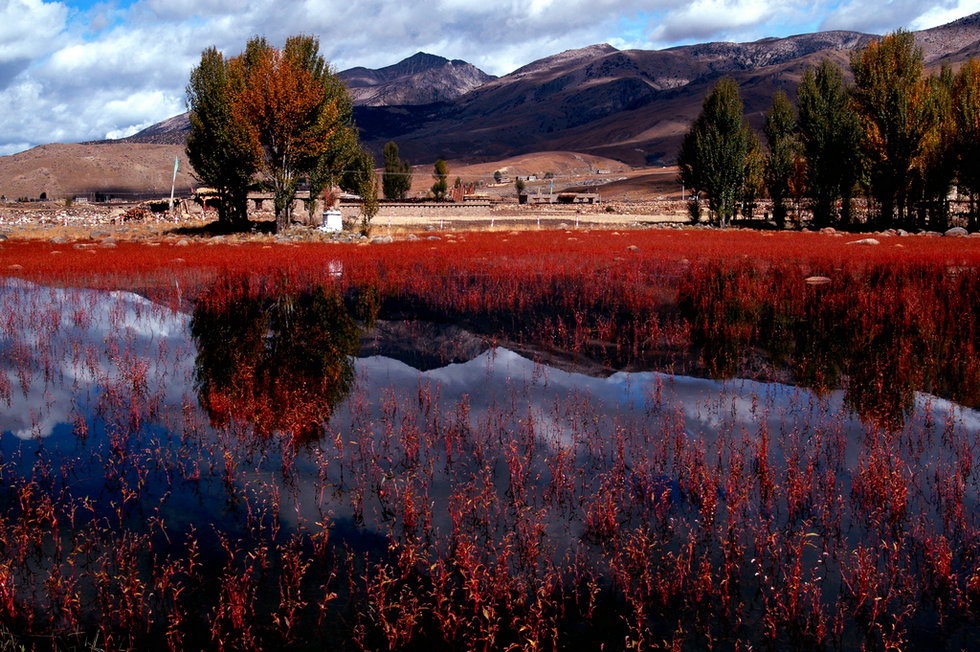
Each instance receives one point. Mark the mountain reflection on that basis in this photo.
(279, 358)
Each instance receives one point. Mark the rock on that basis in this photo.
(633, 248)
(956, 232)
(60, 239)
(82, 245)
(816, 280)
(433, 237)
(108, 243)
(864, 241)
(382, 239)
(2, 237)
(183, 242)
(411, 237)
(828, 230)
(902, 232)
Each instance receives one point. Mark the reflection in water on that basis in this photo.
(488, 487)
(879, 334)
(279, 359)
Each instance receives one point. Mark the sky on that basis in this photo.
(76, 70)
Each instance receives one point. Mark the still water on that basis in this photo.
(263, 414)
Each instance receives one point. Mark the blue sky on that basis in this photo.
(74, 70)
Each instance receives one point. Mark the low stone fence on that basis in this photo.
(420, 210)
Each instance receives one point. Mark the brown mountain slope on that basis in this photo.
(631, 105)
(66, 170)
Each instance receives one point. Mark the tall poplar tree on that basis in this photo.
(439, 172)
(292, 110)
(890, 96)
(218, 147)
(396, 180)
(830, 139)
(779, 130)
(966, 115)
(714, 153)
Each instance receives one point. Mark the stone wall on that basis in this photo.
(419, 210)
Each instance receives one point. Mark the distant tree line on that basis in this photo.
(280, 117)
(900, 139)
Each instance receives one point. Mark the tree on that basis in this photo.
(439, 172)
(890, 97)
(779, 130)
(396, 180)
(360, 178)
(966, 116)
(293, 110)
(753, 176)
(936, 163)
(218, 147)
(519, 187)
(714, 153)
(830, 137)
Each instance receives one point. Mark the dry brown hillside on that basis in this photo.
(68, 170)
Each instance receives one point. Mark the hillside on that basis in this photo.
(630, 105)
(66, 170)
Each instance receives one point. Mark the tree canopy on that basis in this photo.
(439, 173)
(715, 152)
(830, 137)
(279, 112)
(890, 97)
(397, 178)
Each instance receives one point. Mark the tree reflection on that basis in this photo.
(280, 359)
(879, 334)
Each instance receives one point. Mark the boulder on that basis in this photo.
(864, 241)
(956, 232)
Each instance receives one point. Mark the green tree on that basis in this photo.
(361, 178)
(519, 187)
(936, 164)
(218, 147)
(830, 137)
(713, 156)
(396, 180)
(753, 176)
(889, 95)
(439, 172)
(966, 116)
(779, 130)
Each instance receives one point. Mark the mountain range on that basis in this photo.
(629, 105)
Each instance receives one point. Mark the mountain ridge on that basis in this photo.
(630, 105)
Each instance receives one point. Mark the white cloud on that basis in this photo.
(881, 17)
(945, 13)
(704, 20)
(27, 27)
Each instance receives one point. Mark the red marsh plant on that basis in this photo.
(173, 522)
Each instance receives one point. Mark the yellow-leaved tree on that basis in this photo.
(285, 110)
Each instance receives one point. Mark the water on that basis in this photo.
(254, 421)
